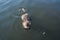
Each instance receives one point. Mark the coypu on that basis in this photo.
(26, 20)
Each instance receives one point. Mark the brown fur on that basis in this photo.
(26, 23)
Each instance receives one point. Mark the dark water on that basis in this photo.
(45, 16)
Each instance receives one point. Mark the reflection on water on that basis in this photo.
(45, 16)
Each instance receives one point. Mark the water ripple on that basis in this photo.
(4, 5)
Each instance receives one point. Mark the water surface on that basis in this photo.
(45, 16)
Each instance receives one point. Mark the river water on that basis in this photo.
(45, 16)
